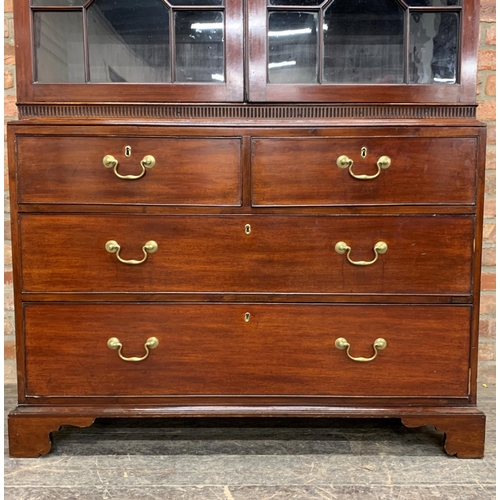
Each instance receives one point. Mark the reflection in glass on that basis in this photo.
(128, 41)
(58, 38)
(432, 3)
(433, 47)
(293, 47)
(364, 42)
(300, 3)
(198, 3)
(57, 3)
(199, 46)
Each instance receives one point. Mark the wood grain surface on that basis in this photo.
(294, 172)
(188, 171)
(209, 181)
(426, 254)
(282, 349)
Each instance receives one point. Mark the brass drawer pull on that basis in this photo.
(383, 163)
(151, 343)
(110, 161)
(379, 345)
(342, 247)
(113, 247)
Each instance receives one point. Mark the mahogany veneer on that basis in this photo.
(188, 171)
(298, 172)
(208, 354)
(282, 349)
(282, 254)
(248, 294)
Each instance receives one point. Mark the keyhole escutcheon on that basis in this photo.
(128, 151)
(364, 152)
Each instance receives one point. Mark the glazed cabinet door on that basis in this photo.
(362, 51)
(152, 50)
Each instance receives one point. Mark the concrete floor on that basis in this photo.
(238, 459)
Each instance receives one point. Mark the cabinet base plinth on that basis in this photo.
(29, 435)
(30, 426)
(464, 434)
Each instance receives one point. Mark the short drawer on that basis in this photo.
(301, 172)
(248, 349)
(186, 171)
(247, 254)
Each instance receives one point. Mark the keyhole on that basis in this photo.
(247, 317)
(128, 151)
(248, 229)
(363, 152)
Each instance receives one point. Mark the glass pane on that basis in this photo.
(57, 3)
(300, 3)
(199, 46)
(199, 3)
(58, 40)
(432, 3)
(433, 47)
(364, 42)
(293, 47)
(129, 42)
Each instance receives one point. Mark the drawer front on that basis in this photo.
(187, 171)
(425, 254)
(210, 349)
(298, 172)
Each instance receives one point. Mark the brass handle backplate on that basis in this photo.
(342, 247)
(113, 247)
(383, 163)
(151, 343)
(379, 345)
(110, 161)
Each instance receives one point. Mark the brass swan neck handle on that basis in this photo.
(151, 343)
(379, 345)
(109, 161)
(342, 247)
(149, 247)
(384, 162)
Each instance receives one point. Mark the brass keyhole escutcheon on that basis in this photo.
(248, 228)
(364, 151)
(247, 317)
(128, 151)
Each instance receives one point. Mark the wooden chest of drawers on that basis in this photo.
(162, 270)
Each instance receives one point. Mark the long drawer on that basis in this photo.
(216, 349)
(186, 171)
(238, 254)
(421, 170)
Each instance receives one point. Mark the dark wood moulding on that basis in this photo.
(223, 155)
(30, 427)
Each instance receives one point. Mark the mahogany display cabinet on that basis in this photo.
(246, 208)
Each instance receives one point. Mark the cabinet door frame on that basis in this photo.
(262, 91)
(232, 90)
